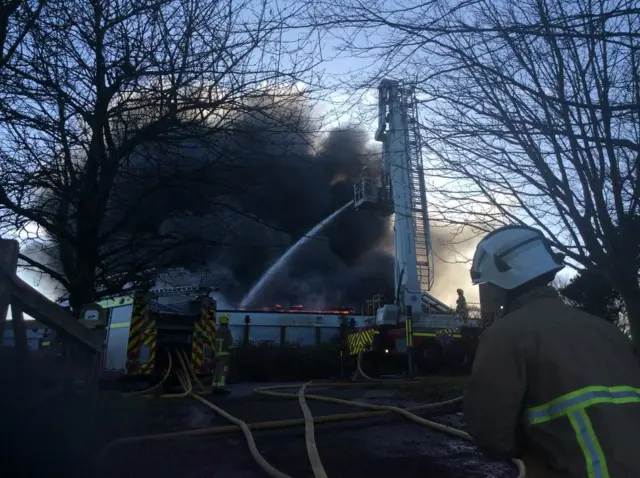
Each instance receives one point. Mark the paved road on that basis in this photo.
(381, 447)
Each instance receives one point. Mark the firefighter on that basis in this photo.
(223, 341)
(47, 338)
(551, 384)
(462, 310)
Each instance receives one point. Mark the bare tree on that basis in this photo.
(17, 17)
(531, 113)
(101, 95)
(592, 292)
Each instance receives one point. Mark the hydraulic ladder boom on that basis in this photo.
(403, 182)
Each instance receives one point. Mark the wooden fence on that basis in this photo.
(82, 347)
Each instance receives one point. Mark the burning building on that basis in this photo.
(238, 206)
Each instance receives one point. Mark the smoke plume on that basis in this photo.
(223, 205)
(342, 266)
(227, 205)
(452, 252)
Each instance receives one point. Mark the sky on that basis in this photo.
(342, 108)
(451, 270)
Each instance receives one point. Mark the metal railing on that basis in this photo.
(370, 308)
(435, 320)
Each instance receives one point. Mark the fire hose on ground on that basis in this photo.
(186, 374)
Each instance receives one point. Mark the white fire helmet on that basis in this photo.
(513, 255)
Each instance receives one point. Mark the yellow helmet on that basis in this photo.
(224, 319)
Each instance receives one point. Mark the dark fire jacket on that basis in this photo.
(559, 384)
(223, 340)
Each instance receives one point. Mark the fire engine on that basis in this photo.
(140, 331)
(415, 324)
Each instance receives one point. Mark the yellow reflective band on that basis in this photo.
(46, 344)
(574, 406)
(408, 327)
(583, 398)
(591, 449)
(108, 303)
(120, 325)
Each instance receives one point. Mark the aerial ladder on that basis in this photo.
(400, 190)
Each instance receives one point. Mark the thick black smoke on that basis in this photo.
(343, 266)
(237, 200)
(225, 202)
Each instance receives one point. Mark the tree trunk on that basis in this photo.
(82, 291)
(629, 291)
(632, 304)
(80, 294)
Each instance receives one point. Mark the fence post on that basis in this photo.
(92, 373)
(344, 347)
(283, 335)
(9, 249)
(21, 347)
(19, 330)
(245, 338)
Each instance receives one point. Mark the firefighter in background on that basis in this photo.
(551, 384)
(462, 309)
(47, 338)
(223, 341)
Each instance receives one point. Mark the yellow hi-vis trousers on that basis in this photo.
(221, 371)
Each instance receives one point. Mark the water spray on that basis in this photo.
(277, 266)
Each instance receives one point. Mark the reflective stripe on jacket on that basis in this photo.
(574, 406)
(559, 384)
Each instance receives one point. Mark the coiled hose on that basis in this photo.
(186, 374)
(157, 385)
(394, 379)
